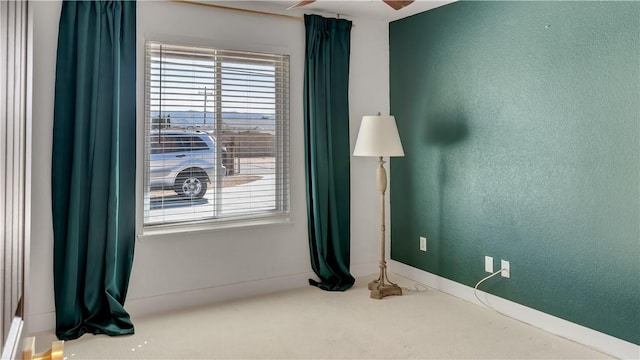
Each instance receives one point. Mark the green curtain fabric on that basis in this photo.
(327, 151)
(93, 167)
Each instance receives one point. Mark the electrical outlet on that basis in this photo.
(488, 264)
(506, 269)
(423, 243)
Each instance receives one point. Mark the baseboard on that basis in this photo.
(141, 306)
(38, 323)
(365, 269)
(599, 341)
(157, 304)
(10, 350)
(198, 297)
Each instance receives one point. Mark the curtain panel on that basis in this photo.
(327, 150)
(93, 167)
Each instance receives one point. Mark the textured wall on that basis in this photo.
(520, 121)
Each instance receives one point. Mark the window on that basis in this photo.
(216, 135)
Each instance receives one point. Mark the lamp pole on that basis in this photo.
(379, 288)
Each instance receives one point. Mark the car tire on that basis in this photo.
(192, 184)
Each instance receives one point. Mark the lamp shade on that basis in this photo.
(378, 136)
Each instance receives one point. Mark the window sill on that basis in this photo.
(208, 226)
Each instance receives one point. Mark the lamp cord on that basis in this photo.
(475, 290)
(422, 288)
(416, 288)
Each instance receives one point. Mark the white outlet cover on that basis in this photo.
(488, 264)
(506, 269)
(423, 243)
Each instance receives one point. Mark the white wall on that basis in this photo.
(195, 268)
(45, 37)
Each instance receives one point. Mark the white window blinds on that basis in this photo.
(216, 134)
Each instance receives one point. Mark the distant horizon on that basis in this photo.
(234, 114)
(234, 120)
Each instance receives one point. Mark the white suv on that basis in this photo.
(183, 161)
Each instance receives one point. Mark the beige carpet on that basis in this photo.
(312, 324)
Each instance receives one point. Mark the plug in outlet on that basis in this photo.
(506, 269)
(488, 264)
(423, 243)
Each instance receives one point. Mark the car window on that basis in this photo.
(198, 144)
(163, 144)
(176, 143)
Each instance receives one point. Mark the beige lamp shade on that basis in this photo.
(378, 136)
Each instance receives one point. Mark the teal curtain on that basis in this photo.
(93, 167)
(327, 151)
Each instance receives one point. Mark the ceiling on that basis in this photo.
(375, 9)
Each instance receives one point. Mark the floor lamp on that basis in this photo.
(378, 136)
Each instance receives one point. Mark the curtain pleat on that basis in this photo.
(327, 150)
(93, 167)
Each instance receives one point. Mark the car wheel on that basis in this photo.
(191, 184)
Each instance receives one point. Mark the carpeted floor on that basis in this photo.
(309, 323)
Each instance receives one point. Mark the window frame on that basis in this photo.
(282, 171)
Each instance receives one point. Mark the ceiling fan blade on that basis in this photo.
(300, 4)
(397, 4)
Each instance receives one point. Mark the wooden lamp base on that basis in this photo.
(379, 291)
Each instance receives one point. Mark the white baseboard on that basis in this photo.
(37, 323)
(365, 269)
(10, 350)
(199, 297)
(167, 302)
(180, 300)
(599, 341)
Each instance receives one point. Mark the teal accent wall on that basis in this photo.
(521, 127)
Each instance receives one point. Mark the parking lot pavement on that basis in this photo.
(235, 201)
(258, 195)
